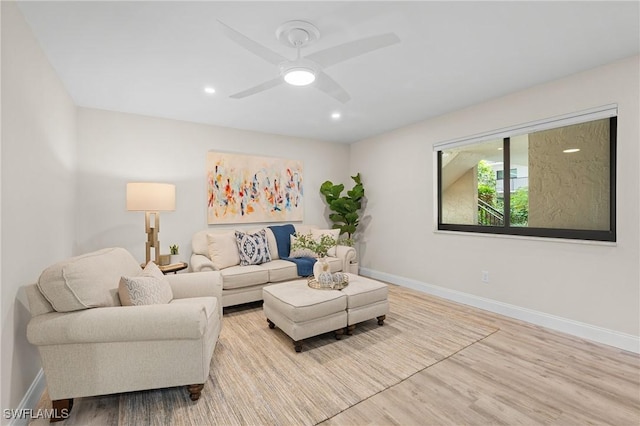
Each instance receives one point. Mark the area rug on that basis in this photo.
(257, 378)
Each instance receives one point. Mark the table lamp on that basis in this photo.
(151, 198)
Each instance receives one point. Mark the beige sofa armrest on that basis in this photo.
(200, 263)
(347, 254)
(119, 324)
(196, 284)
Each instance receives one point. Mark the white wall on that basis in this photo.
(38, 189)
(116, 148)
(593, 284)
(64, 172)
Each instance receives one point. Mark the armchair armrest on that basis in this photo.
(201, 263)
(119, 324)
(196, 284)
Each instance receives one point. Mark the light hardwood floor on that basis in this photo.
(522, 374)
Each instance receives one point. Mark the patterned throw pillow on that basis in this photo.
(300, 251)
(149, 288)
(253, 248)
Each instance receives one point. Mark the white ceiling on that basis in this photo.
(154, 58)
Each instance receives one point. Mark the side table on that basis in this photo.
(174, 267)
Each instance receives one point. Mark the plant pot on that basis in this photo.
(175, 258)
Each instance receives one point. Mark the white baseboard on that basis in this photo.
(614, 338)
(30, 399)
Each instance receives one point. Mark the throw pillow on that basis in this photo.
(149, 288)
(300, 252)
(223, 250)
(334, 233)
(253, 248)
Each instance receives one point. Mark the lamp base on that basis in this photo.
(152, 236)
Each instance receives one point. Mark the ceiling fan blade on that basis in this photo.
(252, 46)
(331, 87)
(336, 54)
(259, 88)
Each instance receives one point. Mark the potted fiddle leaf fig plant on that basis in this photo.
(346, 208)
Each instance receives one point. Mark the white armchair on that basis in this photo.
(90, 345)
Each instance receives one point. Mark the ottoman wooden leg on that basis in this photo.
(271, 324)
(350, 329)
(381, 319)
(339, 333)
(298, 345)
(195, 391)
(61, 409)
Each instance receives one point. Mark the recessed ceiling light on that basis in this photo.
(209, 90)
(570, 150)
(336, 115)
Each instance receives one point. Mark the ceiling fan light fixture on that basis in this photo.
(299, 76)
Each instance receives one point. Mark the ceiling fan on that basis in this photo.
(309, 69)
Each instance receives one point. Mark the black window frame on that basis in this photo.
(506, 229)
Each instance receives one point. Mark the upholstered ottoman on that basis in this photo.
(366, 299)
(303, 312)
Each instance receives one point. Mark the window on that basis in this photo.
(561, 180)
(513, 173)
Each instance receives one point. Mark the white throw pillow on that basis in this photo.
(300, 252)
(150, 288)
(334, 233)
(223, 250)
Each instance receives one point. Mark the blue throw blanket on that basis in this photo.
(283, 235)
(304, 265)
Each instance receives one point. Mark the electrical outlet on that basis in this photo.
(485, 277)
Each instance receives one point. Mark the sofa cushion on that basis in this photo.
(149, 288)
(243, 276)
(281, 270)
(87, 281)
(333, 233)
(252, 248)
(223, 250)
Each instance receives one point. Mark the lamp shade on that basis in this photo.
(154, 197)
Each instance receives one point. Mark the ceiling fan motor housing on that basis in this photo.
(297, 33)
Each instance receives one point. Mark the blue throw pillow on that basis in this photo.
(253, 248)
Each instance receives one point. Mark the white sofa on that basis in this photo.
(91, 345)
(243, 284)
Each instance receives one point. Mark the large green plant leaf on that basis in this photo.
(351, 217)
(337, 218)
(357, 192)
(330, 191)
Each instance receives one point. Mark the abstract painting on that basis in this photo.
(245, 188)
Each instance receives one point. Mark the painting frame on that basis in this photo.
(245, 188)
